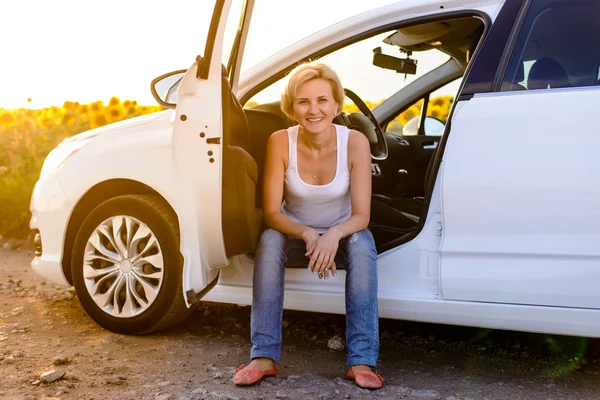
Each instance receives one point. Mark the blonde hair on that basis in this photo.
(305, 72)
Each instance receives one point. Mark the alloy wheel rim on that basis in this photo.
(123, 267)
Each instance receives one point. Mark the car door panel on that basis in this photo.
(197, 149)
(411, 154)
(521, 221)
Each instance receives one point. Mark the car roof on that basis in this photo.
(347, 28)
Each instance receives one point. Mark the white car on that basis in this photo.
(490, 220)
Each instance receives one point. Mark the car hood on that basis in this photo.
(121, 125)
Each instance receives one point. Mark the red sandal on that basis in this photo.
(366, 379)
(247, 376)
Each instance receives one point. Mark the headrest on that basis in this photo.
(520, 75)
(547, 73)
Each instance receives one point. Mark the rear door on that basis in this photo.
(520, 187)
(197, 147)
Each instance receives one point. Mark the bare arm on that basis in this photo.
(359, 157)
(273, 181)
(359, 160)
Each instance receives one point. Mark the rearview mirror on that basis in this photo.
(165, 88)
(400, 65)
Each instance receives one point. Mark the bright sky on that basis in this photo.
(57, 50)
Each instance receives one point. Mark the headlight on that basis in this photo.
(57, 157)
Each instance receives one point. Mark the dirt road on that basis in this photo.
(43, 328)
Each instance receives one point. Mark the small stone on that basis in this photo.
(36, 382)
(52, 376)
(17, 354)
(29, 398)
(450, 398)
(70, 377)
(117, 381)
(218, 375)
(281, 395)
(8, 360)
(67, 296)
(425, 393)
(61, 360)
(164, 383)
(200, 391)
(166, 396)
(9, 328)
(63, 389)
(130, 393)
(336, 343)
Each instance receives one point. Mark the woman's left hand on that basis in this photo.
(323, 254)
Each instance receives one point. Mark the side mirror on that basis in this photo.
(165, 88)
(433, 127)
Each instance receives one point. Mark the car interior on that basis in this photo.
(400, 166)
(548, 59)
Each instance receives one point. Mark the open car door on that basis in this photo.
(197, 149)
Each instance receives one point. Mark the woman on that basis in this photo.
(316, 206)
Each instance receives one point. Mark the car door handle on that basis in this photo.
(213, 140)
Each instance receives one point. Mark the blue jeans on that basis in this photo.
(359, 256)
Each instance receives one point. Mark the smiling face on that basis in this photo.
(314, 105)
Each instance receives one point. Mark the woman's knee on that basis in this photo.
(270, 251)
(271, 239)
(362, 245)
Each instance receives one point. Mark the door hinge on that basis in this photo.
(213, 140)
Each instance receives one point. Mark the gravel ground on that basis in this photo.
(51, 349)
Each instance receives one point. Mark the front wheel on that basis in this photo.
(127, 267)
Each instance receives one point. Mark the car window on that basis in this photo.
(556, 47)
(354, 65)
(262, 43)
(234, 23)
(438, 108)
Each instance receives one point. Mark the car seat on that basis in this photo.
(547, 73)
(240, 218)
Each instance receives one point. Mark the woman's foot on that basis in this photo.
(255, 371)
(365, 377)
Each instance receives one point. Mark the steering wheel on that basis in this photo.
(366, 123)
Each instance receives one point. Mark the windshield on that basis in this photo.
(269, 35)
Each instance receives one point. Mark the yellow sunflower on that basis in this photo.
(114, 101)
(7, 118)
(96, 106)
(115, 113)
(98, 120)
(69, 118)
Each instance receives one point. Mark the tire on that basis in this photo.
(132, 285)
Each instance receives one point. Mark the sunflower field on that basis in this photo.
(438, 107)
(26, 138)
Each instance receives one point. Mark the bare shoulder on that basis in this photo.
(278, 141)
(358, 142)
(277, 146)
(278, 138)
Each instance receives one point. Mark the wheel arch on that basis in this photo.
(91, 199)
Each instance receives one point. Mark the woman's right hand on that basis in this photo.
(310, 237)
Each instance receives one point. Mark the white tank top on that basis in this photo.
(318, 206)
